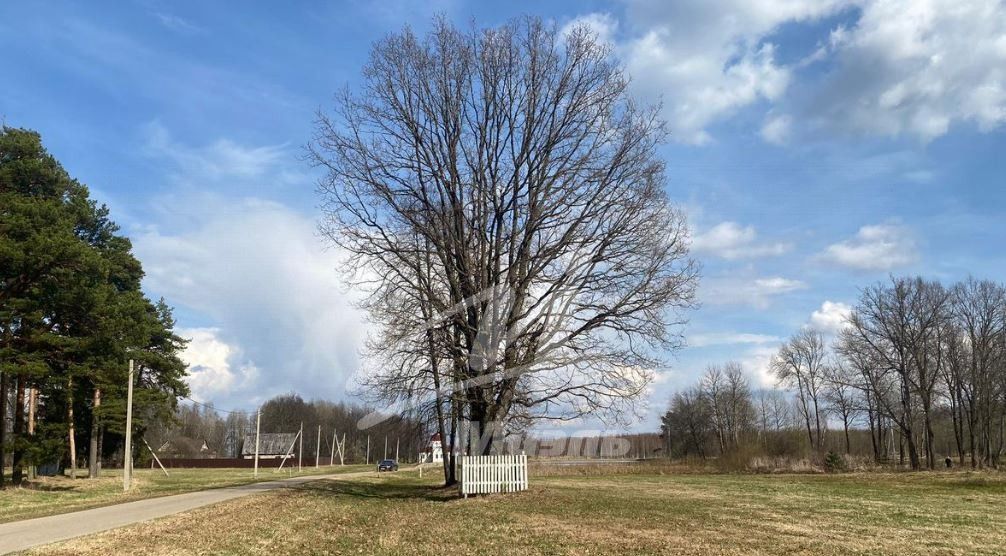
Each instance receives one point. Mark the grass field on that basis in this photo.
(52, 495)
(922, 513)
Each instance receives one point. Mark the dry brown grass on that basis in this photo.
(923, 513)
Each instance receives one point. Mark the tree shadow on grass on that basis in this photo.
(388, 490)
(45, 487)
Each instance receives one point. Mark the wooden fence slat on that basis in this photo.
(492, 474)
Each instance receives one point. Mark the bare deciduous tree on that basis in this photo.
(899, 324)
(799, 365)
(500, 186)
(840, 393)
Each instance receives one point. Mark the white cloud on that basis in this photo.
(707, 60)
(757, 292)
(258, 272)
(728, 338)
(251, 279)
(603, 25)
(901, 67)
(776, 129)
(221, 159)
(831, 318)
(757, 363)
(917, 67)
(215, 367)
(875, 247)
(177, 23)
(730, 240)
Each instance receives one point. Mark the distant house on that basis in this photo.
(272, 445)
(434, 451)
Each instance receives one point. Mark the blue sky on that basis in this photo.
(817, 146)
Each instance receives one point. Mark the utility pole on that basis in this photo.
(317, 449)
(335, 443)
(397, 441)
(258, 428)
(342, 450)
(368, 449)
(127, 457)
(300, 450)
(385, 446)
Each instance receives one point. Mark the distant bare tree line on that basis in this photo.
(919, 368)
(224, 433)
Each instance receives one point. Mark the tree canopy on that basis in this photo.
(71, 313)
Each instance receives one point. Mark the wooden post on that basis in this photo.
(157, 459)
(335, 442)
(342, 450)
(368, 449)
(385, 446)
(317, 449)
(300, 450)
(287, 453)
(258, 429)
(397, 442)
(127, 457)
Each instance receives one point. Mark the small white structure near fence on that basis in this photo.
(492, 474)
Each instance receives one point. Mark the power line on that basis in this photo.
(209, 406)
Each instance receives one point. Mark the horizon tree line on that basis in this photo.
(915, 360)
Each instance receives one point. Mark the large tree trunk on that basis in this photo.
(17, 465)
(94, 455)
(72, 434)
(452, 477)
(32, 410)
(972, 437)
(956, 413)
(927, 424)
(913, 452)
(817, 424)
(848, 445)
(3, 425)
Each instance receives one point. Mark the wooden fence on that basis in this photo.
(491, 474)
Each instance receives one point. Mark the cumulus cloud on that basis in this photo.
(215, 367)
(917, 67)
(894, 67)
(831, 317)
(707, 60)
(757, 364)
(259, 273)
(730, 240)
(875, 247)
(601, 24)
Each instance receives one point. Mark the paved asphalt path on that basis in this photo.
(22, 535)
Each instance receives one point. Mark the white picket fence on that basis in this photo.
(492, 474)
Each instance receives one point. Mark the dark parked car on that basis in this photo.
(387, 465)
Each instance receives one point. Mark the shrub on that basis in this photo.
(833, 462)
